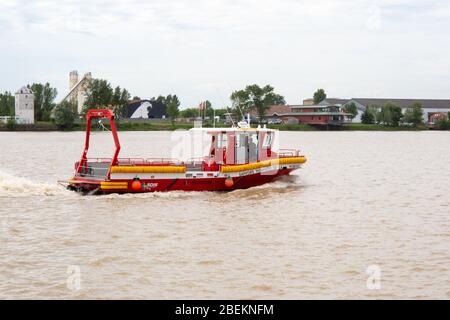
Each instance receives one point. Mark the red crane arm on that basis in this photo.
(99, 113)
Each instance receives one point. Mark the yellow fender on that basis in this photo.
(262, 164)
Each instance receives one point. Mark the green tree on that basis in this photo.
(115, 99)
(99, 94)
(159, 99)
(208, 111)
(7, 104)
(389, 115)
(44, 97)
(65, 115)
(352, 109)
(189, 113)
(172, 103)
(254, 97)
(119, 101)
(368, 116)
(443, 124)
(11, 124)
(414, 114)
(240, 102)
(395, 113)
(221, 112)
(319, 96)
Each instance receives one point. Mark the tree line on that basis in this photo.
(6, 104)
(44, 96)
(101, 94)
(392, 115)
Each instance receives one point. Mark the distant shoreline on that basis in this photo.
(167, 126)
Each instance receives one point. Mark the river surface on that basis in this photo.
(367, 217)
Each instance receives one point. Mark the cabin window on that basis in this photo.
(253, 148)
(223, 141)
(268, 140)
(240, 140)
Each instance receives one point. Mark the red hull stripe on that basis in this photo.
(204, 184)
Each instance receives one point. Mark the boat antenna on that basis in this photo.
(230, 117)
(239, 108)
(226, 106)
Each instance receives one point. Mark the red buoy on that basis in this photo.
(229, 183)
(136, 185)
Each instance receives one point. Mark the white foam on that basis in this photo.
(13, 186)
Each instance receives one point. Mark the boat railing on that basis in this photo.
(166, 161)
(99, 160)
(92, 171)
(195, 160)
(130, 161)
(137, 161)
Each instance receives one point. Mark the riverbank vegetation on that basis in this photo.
(256, 98)
(6, 104)
(127, 125)
(51, 116)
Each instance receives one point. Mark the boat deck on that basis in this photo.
(98, 168)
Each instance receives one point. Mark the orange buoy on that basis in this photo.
(136, 185)
(229, 182)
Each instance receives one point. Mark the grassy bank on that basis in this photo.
(39, 126)
(376, 127)
(293, 127)
(124, 125)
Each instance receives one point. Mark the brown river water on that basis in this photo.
(367, 217)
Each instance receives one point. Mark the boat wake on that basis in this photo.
(13, 186)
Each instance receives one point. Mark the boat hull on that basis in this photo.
(175, 184)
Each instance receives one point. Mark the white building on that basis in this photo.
(24, 106)
(78, 89)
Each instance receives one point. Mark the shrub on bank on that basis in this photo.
(443, 124)
(64, 116)
(11, 124)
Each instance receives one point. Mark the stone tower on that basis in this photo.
(73, 79)
(24, 105)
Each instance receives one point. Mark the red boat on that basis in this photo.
(239, 158)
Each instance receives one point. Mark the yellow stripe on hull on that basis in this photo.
(148, 169)
(109, 185)
(262, 164)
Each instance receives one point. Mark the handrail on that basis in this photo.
(99, 160)
(82, 172)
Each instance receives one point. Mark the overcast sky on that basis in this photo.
(205, 49)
